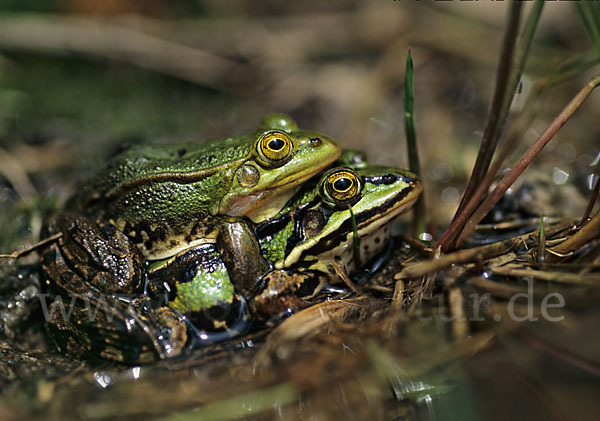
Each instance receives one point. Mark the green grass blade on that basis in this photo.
(356, 242)
(589, 12)
(411, 142)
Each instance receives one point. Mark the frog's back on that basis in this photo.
(144, 161)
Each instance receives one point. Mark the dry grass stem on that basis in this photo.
(477, 253)
(558, 277)
(88, 37)
(587, 233)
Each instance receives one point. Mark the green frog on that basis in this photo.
(312, 240)
(168, 198)
(153, 202)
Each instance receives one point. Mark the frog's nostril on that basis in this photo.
(315, 141)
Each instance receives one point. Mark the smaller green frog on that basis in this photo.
(314, 235)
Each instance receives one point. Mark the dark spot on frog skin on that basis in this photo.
(148, 244)
(220, 316)
(315, 142)
(308, 287)
(195, 231)
(157, 234)
(377, 240)
(181, 152)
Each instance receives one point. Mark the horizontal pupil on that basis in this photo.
(276, 144)
(342, 184)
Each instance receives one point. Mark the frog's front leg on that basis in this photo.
(240, 250)
(271, 293)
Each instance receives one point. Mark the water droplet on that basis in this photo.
(103, 379)
(425, 236)
(559, 176)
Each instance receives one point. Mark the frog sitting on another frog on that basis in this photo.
(152, 202)
(312, 230)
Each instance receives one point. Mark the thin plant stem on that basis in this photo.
(489, 139)
(356, 240)
(27, 250)
(569, 70)
(528, 157)
(593, 198)
(589, 12)
(468, 204)
(541, 242)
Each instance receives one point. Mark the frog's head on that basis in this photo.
(317, 227)
(282, 159)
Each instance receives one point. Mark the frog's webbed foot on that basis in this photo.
(93, 252)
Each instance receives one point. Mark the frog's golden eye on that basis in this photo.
(341, 186)
(274, 147)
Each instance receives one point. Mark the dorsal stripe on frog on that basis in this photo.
(175, 177)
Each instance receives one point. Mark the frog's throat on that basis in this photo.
(173, 176)
(249, 205)
(263, 204)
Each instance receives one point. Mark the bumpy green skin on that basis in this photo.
(172, 199)
(278, 121)
(273, 247)
(166, 196)
(352, 158)
(205, 291)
